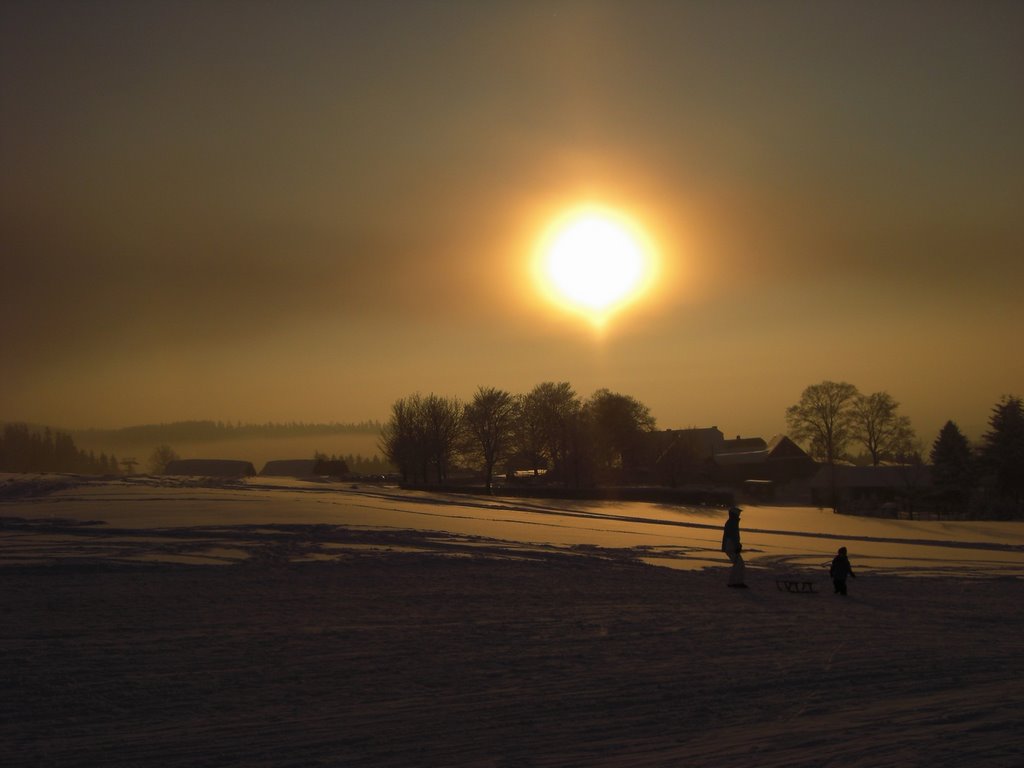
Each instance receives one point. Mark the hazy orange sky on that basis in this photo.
(303, 211)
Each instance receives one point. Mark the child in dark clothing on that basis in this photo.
(840, 570)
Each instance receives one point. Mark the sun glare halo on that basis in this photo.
(594, 261)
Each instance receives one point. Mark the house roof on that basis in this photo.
(741, 457)
(743, 445)
(290, 468)
(707, 441)
(781, 446)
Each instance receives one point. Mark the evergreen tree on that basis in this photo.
(953, 467)
(22, 450)
(66, 456)
(48, 453)
(1002, 451)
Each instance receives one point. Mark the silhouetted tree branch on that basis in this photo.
(876, 424)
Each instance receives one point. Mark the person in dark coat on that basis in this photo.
(840, 570)
(732, 547)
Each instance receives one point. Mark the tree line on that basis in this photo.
(581, 442)
(550, 429)
(352, 465)
(986, 479)
(212, 431)
(833, 415)
(348, 464)
(27, 450)
(600, 439)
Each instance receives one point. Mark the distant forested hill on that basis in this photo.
(192, 432)
(39, 448)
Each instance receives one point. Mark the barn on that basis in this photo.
(290, 468)
(210, 468)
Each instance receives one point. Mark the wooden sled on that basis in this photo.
(793, 584)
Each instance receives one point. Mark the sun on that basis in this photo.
(594, 261)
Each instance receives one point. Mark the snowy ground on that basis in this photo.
(203, 523)
(376, 627)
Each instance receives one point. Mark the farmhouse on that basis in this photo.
(780, 460)
(704, 455)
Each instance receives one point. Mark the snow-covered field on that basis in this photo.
(372, 626)
(680, 537)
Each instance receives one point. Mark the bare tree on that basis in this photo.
(876, 424)
(162, 456)
(618, 423)
(579, 458)
(531, 433)
(422, 435)
(550, 409)
(401, 437)
(490, 421)
(824, 419)
(442, 417)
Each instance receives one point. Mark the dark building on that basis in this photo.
(703, 455)
(210, 468)
(290, 468)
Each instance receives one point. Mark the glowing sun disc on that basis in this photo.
(594, 261)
